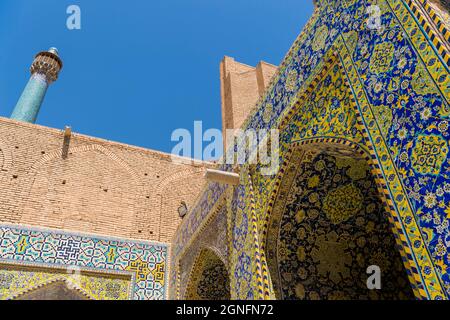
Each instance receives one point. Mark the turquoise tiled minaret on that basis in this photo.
(44, 70)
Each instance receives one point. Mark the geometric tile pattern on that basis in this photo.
(144, 262)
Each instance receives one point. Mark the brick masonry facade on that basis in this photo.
(91, 185)
(241, 87)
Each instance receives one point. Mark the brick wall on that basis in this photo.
(241, 87)
(91, 185)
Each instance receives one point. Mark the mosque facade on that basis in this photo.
(361, 106)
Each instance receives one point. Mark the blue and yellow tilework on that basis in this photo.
(385, 90)
(142, 263)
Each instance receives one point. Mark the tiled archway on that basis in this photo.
(328, 226)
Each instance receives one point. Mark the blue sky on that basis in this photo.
(137, 70)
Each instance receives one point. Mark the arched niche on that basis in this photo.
(91, 191)
(328, 225)
(209, 278)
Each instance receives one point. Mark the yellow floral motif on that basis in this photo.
(300, 291)
(283, 252)
(291, 81)
(313, 181)
(337, 295)
(370, 227)
(440, 249)
(301, 254)
(328, 109)
(429, 153)
(342, 203)
(300, 216)
(314, 296)
(348, 3)
(268, 113)
(382, 56)
(14, 283)
(357, 169)
(320, 38)
(422, 82)
(320, 165)
(351, 39)
(313, 197)
(384, 117)
(332, 257)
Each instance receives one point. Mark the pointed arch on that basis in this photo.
(291, 187)
(209, 278)
(89, 170)
(48, 290)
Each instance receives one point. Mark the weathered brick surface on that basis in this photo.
(241, 87)
(101, 187)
